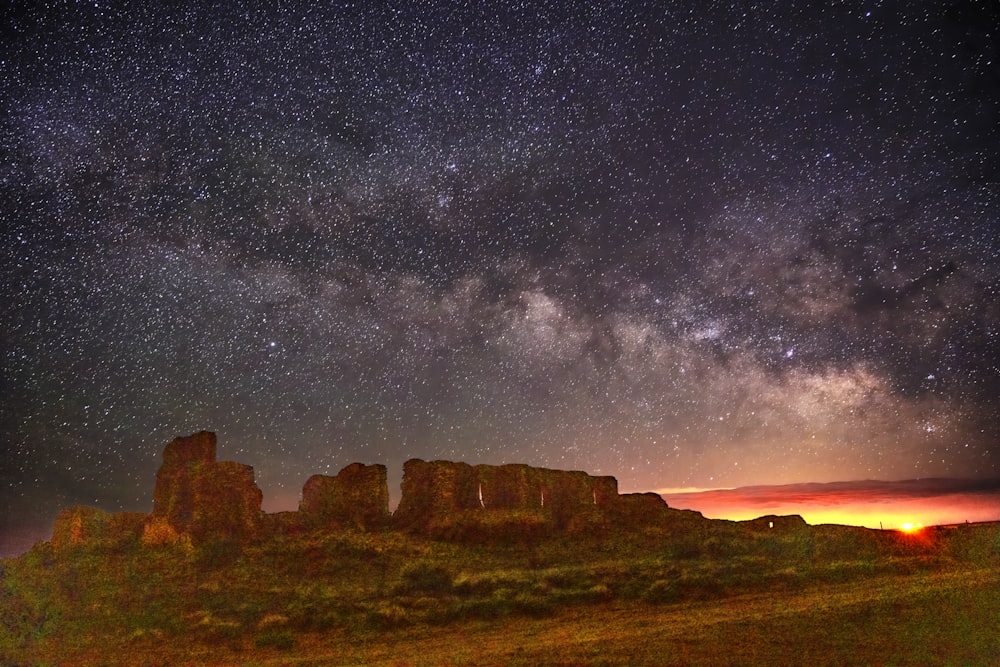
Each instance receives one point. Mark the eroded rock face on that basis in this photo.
(92, 527)
(205, 498)
(434, 491)
(198, 499)
(358, 497)
(197, 447)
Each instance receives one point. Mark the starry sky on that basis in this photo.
(688, 244)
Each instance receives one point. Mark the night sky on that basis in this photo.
(687, 244)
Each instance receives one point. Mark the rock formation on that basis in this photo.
(358, 497)
(90, 526)
(199, 500)
(435, 491)
(205, 498)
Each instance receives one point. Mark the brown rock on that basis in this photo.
(566, 492)
(436, 492)
(358, 497)
(207, 499)
(433, 490)
(605, 490)
(640, 509)
(198, 446)
(91, 527)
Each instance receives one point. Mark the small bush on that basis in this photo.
(685, 548)
(275, 637)
(424, 576)
(596, 593)
(388, 616)
(530, 605)
(313, 608)
(567, 578)
(487, 583)
(217, 554)
(661, 591)
(484, 608)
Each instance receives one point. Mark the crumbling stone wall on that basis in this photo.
(82, 525)
(198, 499)
(358, 497)
(434, 491)
(205, 498)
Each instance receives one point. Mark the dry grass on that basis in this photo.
(823, 596)
(930, 618)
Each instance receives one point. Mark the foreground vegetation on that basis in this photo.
(725, 595)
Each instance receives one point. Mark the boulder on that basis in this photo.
(358, 497)
(205, 498)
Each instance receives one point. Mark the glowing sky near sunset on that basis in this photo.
(931, 502)
(687, 244)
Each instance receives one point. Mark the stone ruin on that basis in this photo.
(198, 499)
(204, 498)
(358, 497)
(94, 527)
(437, 491)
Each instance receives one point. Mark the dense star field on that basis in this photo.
(687, 244)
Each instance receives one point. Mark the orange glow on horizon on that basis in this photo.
(883, 511)
(886, 517)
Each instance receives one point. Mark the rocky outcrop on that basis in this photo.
(92, 527)
(358, 498)
(200, 500)
(436, 491)
(205, 498)
(639, 508)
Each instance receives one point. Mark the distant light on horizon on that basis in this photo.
(888, 505)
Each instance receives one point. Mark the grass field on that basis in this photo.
(824, 595)
(922, 619)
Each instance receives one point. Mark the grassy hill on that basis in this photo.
(709, 591)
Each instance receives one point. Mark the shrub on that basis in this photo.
(685, 547)
(312, 608)
(661, 591)
(217, 554)
(567, 578)
(488, 582)
(424, 576)
(596, 593)
(275, 637)
(484, 608)
(531, 605)
(387, 616)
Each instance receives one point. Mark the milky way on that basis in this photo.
(686, 244)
